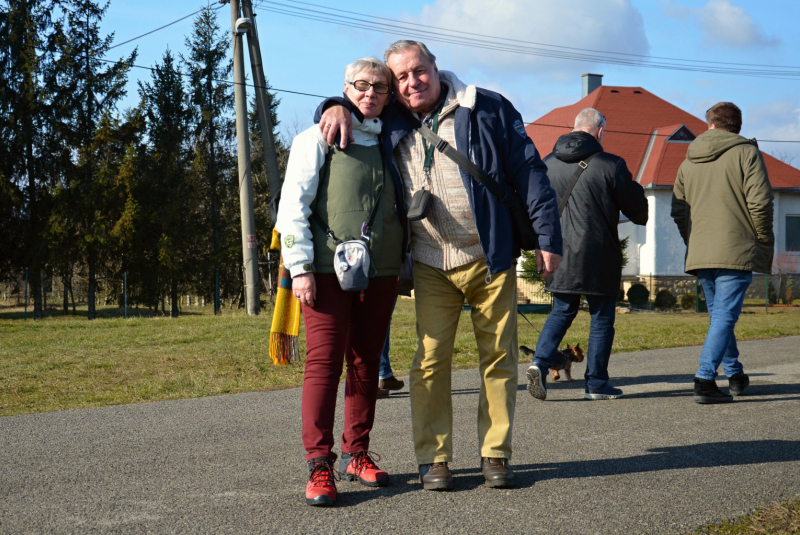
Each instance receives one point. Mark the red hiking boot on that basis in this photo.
(360, 466)
(321, 488)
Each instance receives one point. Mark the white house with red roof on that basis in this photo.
(653, 137)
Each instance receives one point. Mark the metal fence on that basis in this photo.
(765, 290)
(531, 295)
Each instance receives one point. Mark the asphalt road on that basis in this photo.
(652, 462)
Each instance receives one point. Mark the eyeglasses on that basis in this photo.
(363, 85)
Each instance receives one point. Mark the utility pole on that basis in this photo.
(249, 241)
(262, 102)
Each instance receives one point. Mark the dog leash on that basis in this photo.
(526, 319)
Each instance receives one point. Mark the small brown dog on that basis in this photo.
(564, 360)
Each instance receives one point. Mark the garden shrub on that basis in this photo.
(638, 294)
(688, 301)
(665, 299)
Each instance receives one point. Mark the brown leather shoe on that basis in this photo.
(435, 476)
(383, 393)
(497, 473)
(391, 383)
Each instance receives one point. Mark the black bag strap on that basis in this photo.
(582, 165)
(462, 161)
(366, 227)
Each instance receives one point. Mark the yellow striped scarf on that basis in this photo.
(283, 343)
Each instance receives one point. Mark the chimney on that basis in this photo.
(590, 83)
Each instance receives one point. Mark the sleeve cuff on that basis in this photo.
(546, 244)
(301, 269)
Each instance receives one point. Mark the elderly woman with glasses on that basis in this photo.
(346, 194)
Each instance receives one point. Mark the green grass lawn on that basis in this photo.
(67, 362)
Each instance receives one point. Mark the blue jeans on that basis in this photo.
(386, 366)
(724, 290)
(601, 335)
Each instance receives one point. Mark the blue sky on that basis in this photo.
(309, 56)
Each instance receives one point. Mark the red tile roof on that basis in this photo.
(634, 115)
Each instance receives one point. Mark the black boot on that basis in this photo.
(737, 383)
(706, 391)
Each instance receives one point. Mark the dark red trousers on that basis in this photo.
(341, 327)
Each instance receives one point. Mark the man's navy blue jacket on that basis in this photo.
(492, 135)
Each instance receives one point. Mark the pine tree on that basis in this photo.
(168, 120)
(93, 87)
(208, 63)
(26, 54)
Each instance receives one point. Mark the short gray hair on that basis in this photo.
(371, 65)
(404, 44)
(589, 119)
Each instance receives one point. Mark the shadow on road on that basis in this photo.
(754, 393)
(466, 479)
(715, 454)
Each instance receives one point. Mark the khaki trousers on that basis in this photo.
(439, 298)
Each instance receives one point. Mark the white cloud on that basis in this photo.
(723, 23)
(607, 25)
(777, 120)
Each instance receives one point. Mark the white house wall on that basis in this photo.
(786, 204)
(658, 247)
(670, 249)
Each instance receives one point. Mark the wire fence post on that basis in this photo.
(25, 315)
(766, 293)
(697, 294)
(650, 294)
(125, 292)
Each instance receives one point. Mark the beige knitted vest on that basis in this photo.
(448, 237)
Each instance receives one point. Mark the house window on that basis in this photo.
(681, 135)
(793, 233)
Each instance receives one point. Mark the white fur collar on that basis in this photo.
(459, 91)
(366, 133)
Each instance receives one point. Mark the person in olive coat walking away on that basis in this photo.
(723, 204)
(592, 261)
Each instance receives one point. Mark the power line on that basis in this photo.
(164, 26)
(505, 45)
(227, 82)
(649, 134)
(260, 4)
(416, 24)
(179, 73)
(269, 88)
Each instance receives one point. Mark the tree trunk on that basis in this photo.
(34, 245)
(92, 313)
(173, 294)
(66, 297)
(72, 295)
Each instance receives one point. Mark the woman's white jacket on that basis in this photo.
(306, 160)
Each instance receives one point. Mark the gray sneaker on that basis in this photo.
(607, 392)
(537, 382)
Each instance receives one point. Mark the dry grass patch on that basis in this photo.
(70, 363)
(776, 520)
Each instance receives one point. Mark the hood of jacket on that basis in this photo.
(576, 146)
(458, 93)
(712, 144)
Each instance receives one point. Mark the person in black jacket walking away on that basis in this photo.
(592, 261)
